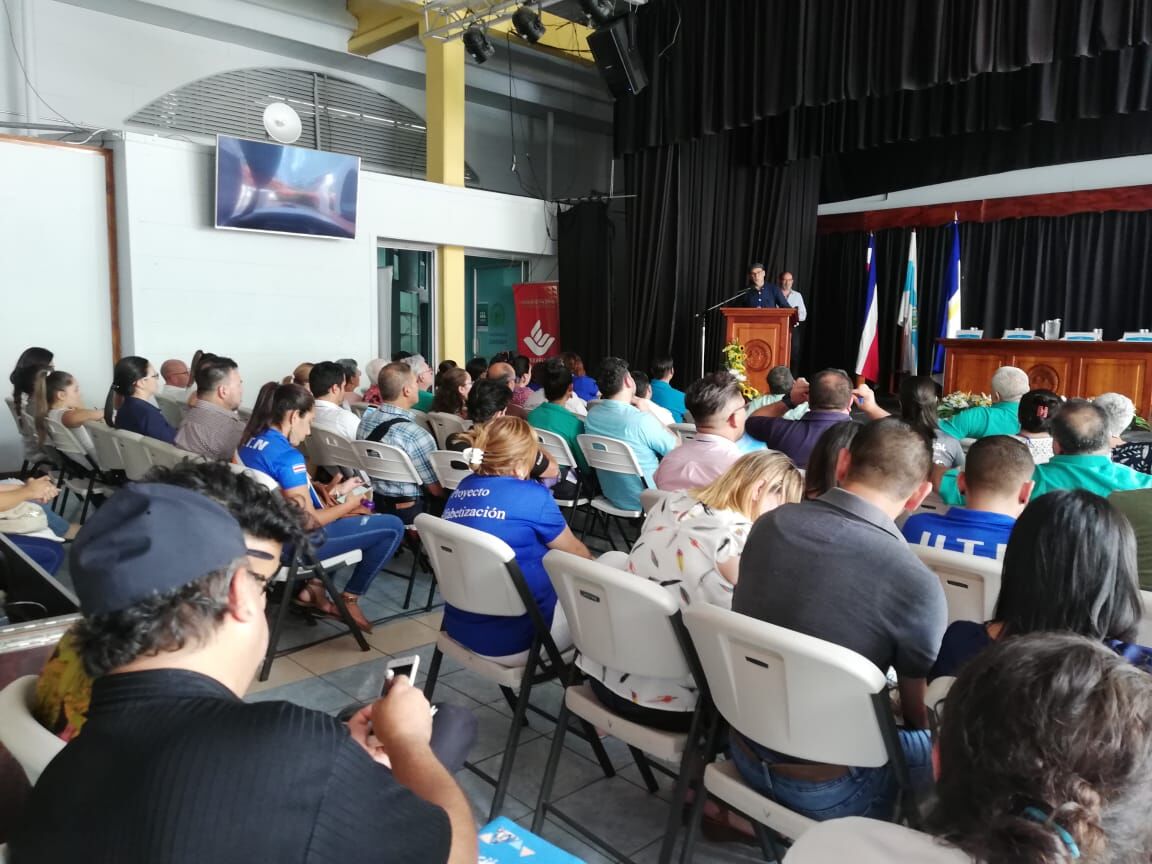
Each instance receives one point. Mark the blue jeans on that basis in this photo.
(58, 524)
(869, 792)
(377, 537)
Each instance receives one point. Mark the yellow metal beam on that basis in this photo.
(562, 38)
(381, 24)
(450, 272)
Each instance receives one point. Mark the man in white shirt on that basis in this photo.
(718, 406)
(176, 377)
(796, 301)
(326, 381)
(643, 400)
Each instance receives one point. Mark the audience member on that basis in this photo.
(445, 365)
(838, 569)
(327, 384)
(1008, 385)
(521, 391)
(698, 536)
(452, 393)
(829, 401)
(269, 523)
(424, 378)
(1121, 412)
(211, 426)
(476, 367)
(281, 419)
(1044, 755)
(663, 393)
(400, 356)
(1070, 567)
(299, 375)
(780, 383)
(23, 381)
(643, 400)
(535, 397)
(177, 378)
(390, 422)
(506, 375)
(351, 381)
(173, 631)
(1136, 505)
(487, 401)
(30, 526)
(499, 499)
(717, 404)
(56, 395)
(820, 475)
(918, 404)
(582, 384)
(372, 372)
(996, 483)
(1136, 455)
(135, 382)
(1080, 442)
(614, 416)
(552, 416)
(1037, 410)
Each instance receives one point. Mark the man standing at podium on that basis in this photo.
(764, 295)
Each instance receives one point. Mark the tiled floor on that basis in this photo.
(334, 674)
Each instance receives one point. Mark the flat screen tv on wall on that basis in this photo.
(288, 190)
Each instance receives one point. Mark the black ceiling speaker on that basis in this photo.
(528, 24)
(600, 11)
(476, 43)
(617, 59)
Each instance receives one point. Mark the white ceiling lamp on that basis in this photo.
(282, 123)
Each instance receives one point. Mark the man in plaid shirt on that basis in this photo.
(398, 393)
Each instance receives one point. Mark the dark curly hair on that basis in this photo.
(189, 614)
(1054, 722)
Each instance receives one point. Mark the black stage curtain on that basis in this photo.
(1090, 269)
(727, 64)
(702, 213)
(587, 291)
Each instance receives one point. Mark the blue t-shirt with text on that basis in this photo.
(274, 454)
(524, 515)
(972, 532)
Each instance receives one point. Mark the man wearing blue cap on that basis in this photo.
(172, 766)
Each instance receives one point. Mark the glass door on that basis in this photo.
(490, 325)
(405, 282)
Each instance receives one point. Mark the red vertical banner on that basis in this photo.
(537, 319)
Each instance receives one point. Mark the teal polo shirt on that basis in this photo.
(647, 437)
(668, 397)
(558, 419)
(1001, 418)
(1098, 474)
(424, 401)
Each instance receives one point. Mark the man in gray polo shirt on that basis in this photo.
(837, 568)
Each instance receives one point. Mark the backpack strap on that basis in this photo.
(377, 434)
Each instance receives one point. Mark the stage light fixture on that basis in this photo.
(476, 43)
(600, 11)
(528, 24)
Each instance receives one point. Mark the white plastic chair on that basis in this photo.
(172, 409)
(168, 455)
(932, 503)
(108, 454)
(651, 498)
(420, 418)
(1144, 628)
(478, 573)
(629, 623)
(450, 468)
(30, 744)
(687, 431)
(444, 425)
(615, 457)
(971, 582)
(80, 473)
(794, 694)
(333, 451)
(559, 451)
(136, 457)
(358, 408)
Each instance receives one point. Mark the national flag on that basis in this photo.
(868, 357)
(908, 318)
(950, 313)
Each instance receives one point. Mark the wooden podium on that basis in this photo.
(766, 335)
(1078, 369)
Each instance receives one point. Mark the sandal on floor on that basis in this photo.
(313, 596)
(718, 828)
(352, 602)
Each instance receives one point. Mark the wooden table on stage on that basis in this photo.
(1084, 369)
(766, 335)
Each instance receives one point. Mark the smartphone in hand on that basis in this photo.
(400, 666)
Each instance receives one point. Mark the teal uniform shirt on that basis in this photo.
(1001, 418)
(1098, 474)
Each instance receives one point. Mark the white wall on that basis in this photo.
(54, 276)
(1070, 177)
(272, 301)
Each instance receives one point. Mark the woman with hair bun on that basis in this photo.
(1044, 756)
(1037, 410)
(498, 498)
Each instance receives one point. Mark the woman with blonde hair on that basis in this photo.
(500, 499)
(691, 544)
